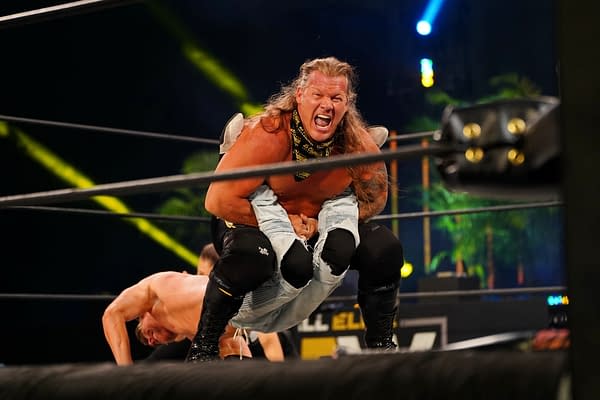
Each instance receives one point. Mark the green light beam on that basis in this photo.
(72, 176)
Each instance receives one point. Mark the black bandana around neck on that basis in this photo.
(303, 148)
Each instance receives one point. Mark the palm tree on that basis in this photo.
(480, 240)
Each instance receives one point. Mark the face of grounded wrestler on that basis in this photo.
(154, 332)
(322, 103)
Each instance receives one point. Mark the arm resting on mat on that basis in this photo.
(131, 303)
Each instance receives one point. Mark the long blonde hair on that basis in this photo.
(285, 100)
(352, 124)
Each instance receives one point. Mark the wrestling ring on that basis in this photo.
(449, 372)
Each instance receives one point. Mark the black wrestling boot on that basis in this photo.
(218, 307)
(379, 307)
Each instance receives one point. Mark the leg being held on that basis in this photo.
(338, 250)
(296, 265)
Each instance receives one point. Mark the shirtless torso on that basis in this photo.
(177, 300)
(257, 146)
(174, 301)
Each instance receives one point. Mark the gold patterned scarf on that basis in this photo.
(303, 148)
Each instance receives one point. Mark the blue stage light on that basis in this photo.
(425, 24)
(423, 28)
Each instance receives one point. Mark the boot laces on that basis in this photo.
(243, 334)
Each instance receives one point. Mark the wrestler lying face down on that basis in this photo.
(169, 346)
(168, 305)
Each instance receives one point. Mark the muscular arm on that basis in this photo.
(132, 302)
(370, 183)
(255, 147)
(376, 189)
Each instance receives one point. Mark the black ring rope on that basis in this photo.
(158, 184)
(55, 296)
(408, 215)
(507, 207)
(410, 136)
(154, 216)
(59, 10)
(105, 129)
(158, 135)
(470, 292)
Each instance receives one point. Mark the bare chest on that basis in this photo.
(306, 196)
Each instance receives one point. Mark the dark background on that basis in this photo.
(121, 68)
